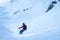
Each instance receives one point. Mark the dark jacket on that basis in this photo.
(24, 27)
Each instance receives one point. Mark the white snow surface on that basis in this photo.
(40, 25)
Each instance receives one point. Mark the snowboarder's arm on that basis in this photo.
(20, 27)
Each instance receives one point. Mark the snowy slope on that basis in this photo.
(41, 25)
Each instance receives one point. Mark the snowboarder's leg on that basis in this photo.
(21, 31)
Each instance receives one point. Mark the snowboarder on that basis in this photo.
(24, 28)
(51, 5)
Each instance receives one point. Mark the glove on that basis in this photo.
(19, 27)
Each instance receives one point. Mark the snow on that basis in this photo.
(41, 25)
(4, 3)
